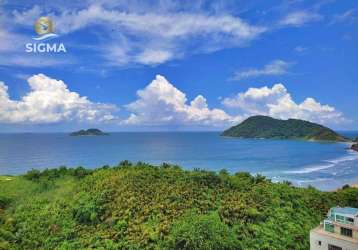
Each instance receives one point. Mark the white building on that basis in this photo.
(339, 231)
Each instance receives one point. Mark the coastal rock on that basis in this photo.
(355, 147)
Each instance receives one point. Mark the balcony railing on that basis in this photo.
(340, 219)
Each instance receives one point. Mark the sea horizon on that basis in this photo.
(351, 133)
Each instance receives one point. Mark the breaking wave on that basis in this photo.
(352, 156)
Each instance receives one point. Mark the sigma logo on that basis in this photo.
(44, 29)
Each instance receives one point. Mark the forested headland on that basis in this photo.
(139, 206)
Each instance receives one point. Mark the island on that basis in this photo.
(269, 128)
(355, 147)
(88, 132)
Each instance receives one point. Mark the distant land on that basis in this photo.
(88, 132)
(355, 147)
(268, 127)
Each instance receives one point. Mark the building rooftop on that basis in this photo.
(345, 210)
(320, 230)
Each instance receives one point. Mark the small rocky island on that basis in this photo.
(269, 128)
(88, 132)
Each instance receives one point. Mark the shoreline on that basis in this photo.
(294, 183)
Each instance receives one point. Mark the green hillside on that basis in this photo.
(268, 127)
(145, 207)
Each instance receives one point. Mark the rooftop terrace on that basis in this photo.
(321, 231)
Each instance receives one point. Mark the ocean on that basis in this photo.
(324, 165)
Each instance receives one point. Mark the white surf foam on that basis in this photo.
(310, 169)
(352, 156)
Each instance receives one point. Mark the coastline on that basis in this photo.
(190, 150)
(295, 183)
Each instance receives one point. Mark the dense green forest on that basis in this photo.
(146, 207)
(267, 127)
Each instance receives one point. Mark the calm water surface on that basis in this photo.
(323, 165)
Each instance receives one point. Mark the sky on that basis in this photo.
(178, 65)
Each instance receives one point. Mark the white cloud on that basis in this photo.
(350, 15)
(277, 102)
(161, 103)
(149, 35)
(276, 67)
(28, 16)
(49, 101)
(300, 49)
(9, 41)
(171, 25)
(152, 37)
(21, 76)
(299, 18)
(33, 60)
(154, 56)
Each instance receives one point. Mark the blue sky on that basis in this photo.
(175, 65)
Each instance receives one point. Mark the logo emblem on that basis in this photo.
(44, 28)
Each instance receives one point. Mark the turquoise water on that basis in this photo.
(323, 165)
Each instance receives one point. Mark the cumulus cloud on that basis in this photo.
(277, 102)
(300, 18)
(49, 101)
(276, 67)
(161, 103)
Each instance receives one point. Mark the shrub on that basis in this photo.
(81, 172)
(201, 232)
(33, 175)
(4, 202)
(125, 163)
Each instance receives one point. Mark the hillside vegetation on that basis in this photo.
(146, 207)
(268, 127)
